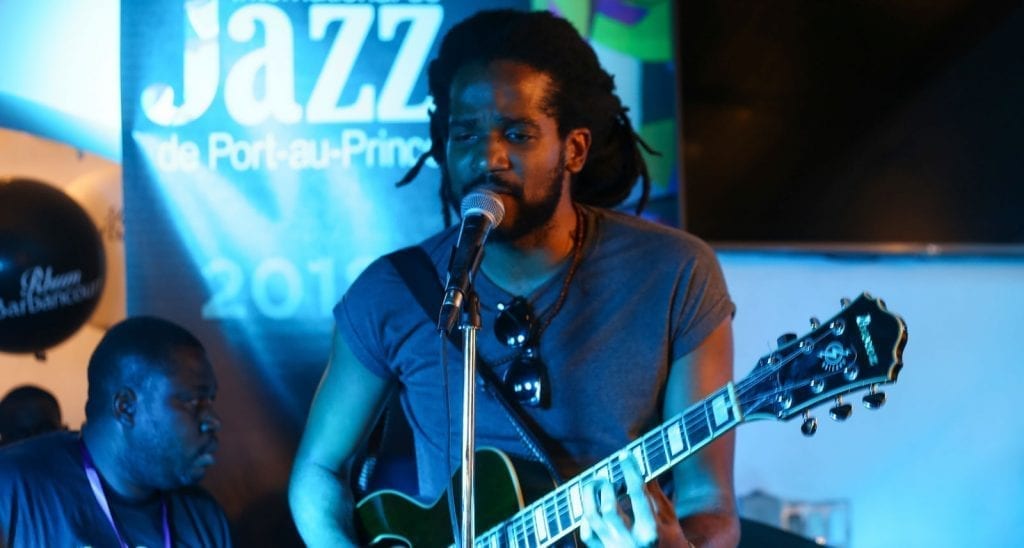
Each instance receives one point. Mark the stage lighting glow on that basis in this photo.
(61, 59)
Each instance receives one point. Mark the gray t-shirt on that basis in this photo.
(643, 296)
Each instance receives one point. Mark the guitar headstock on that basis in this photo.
(861, 347)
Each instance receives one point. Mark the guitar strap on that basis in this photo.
(417, 271)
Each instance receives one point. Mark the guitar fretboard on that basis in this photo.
(560, 512)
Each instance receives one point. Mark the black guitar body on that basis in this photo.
(503, 487)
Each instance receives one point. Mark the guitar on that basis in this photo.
(861, 347)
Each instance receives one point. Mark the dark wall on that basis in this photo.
(884, 121)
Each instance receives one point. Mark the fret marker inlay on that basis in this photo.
(540, 523)
(720, 408)
(675, 439)
(575, 502)
(638, 457)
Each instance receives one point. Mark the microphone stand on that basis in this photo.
(469, 325)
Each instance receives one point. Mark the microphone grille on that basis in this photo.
(483, 202)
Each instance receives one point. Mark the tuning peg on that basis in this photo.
(785, 339)
(845, 302)
(810, 425)
(875, 398)
(815, 322)
(841, 411)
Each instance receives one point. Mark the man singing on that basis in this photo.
(601, 324)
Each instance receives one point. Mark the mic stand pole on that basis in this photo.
(470, 324)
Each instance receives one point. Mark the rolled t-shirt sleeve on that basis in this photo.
(360, 318)
(701, 298)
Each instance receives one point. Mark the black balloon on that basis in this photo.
(51, 266)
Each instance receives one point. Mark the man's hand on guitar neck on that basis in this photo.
(650, 519)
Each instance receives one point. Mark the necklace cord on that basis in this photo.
(578, 237)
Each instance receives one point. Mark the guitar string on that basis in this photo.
(559, 504)
(757, 376)
(561, 507)
(652, 444)
(656, 437)
(556, 507)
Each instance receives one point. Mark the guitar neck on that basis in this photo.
(560, 512)
(861, 347)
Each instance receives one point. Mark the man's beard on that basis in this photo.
(533, 216)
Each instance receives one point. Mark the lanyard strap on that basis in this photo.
(101, 498)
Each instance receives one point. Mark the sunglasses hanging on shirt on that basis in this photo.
(526, 377)
(518, 327)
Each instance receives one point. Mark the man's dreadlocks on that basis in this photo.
(582, 96)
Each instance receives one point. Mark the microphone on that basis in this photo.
(481, 211)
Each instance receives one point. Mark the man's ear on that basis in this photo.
(124, 406)
(577, 146)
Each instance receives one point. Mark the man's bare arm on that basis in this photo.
(346, 404)
(704, 493)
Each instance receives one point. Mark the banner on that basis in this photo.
(261, 144)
